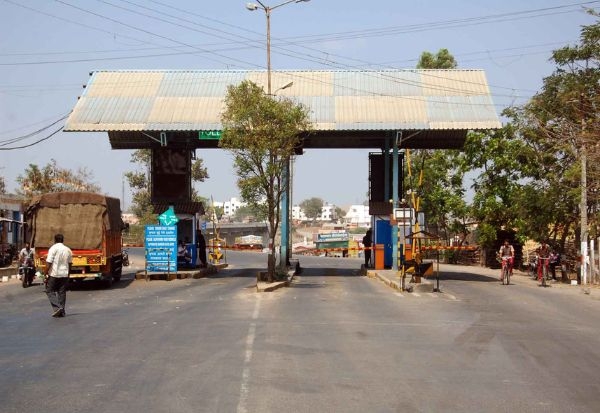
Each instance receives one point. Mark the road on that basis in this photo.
(332, 341)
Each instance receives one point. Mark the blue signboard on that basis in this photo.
(161, 248)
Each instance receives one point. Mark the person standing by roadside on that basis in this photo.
(58, 268)
(201, 246)
(368, 243)
(554, 262)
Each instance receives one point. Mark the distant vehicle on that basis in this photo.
(248, 242)
(92, 227)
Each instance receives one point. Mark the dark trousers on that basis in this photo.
(56, 289)
(367, 257)
(202, 255)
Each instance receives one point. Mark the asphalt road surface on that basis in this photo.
(334, 341)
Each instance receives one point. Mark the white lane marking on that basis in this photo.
(399, 295)
(245, 387)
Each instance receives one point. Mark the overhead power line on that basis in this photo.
(283, 51)
(33, 143)
(12, 141)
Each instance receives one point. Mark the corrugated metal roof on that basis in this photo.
(337, 100)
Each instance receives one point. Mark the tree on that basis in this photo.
(139, 182)
(262, 133)
(53, 178)
(437, 174)
(529, 172)
(2, 185)
(339, 213)
(442, 60)
(312, 208)
(565, 114)
(244, 213)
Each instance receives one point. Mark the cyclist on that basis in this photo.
(543, 253)
(507, 250)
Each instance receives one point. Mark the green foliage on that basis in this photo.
(312, 208)
(53, 178)
(441, 60)
(437, 175)
(529, 172)
(246, 213)
(261, 132)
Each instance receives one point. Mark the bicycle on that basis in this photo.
(506, 270)
(543, 271)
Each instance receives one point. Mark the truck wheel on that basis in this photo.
(116, 278)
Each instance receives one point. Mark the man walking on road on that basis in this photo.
(58, 268)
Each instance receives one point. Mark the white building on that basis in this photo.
(358, 215)
(298, 213)
(229, 207)
(328, 213)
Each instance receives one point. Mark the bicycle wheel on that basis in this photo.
(507, 275)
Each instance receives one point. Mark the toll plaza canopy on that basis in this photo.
(431, 109)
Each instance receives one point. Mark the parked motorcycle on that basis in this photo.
(125, 255)
(532, 266)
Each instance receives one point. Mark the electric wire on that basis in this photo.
(413, 83)
(33, 143)
(29, 135)
(319, 60)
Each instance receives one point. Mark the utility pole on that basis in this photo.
(583, 205)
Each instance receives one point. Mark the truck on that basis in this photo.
(91, 225)
(248, 242)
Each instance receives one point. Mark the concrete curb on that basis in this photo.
(179, 275)
(425, 285)
(9, 273)
(263, 287)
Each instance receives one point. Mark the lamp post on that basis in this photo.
(285, 201)
(268, 9)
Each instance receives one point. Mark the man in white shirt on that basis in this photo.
(58, 268)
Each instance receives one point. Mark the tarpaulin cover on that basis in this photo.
(82, 218)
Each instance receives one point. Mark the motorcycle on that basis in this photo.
(27, 272)
(532, 266)
(125, 255)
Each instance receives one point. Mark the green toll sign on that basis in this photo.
(209, 135)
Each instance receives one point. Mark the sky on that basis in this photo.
(49, 47)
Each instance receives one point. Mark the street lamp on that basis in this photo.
(268, 9)
(286, 196)
(287, 85)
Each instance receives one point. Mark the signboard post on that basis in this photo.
(161, 248)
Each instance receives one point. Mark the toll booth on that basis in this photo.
(186, 232)
(382, 240)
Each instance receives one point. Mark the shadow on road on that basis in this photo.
(465, 276)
